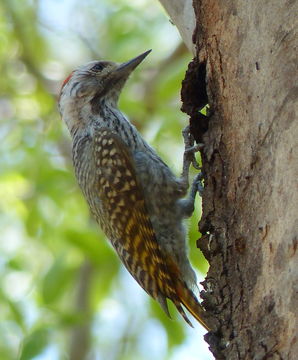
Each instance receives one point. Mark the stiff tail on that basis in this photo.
(180, 294)
(188, 299)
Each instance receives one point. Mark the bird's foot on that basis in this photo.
(198, 183)
(190, 149)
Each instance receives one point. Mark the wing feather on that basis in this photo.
(125, 220)
(125, 217)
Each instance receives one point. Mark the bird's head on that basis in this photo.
(95, 82)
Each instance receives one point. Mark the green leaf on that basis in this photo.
(34, 344)
(56, 280)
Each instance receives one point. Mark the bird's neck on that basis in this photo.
(109, 116)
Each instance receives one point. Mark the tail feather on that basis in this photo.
(180, 294)
(182, 312)
(191, 303)
(163, 303)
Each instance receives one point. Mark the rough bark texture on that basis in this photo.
(249, 52)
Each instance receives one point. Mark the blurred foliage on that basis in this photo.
(60, 280)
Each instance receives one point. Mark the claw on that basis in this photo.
(198, 181)
(187, 137)
(195, 148)
(189, 153)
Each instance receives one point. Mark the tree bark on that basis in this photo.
(246, 69)
(182, 15)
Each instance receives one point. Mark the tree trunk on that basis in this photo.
(246, 51)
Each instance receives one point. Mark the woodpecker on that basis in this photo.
(133, 195)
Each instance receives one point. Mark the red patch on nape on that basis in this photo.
(64, 83)
(66, 80)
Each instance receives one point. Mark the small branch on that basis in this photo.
(80, 338)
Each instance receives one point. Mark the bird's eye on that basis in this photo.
(98, 67)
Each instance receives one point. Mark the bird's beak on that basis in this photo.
(127, 67)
